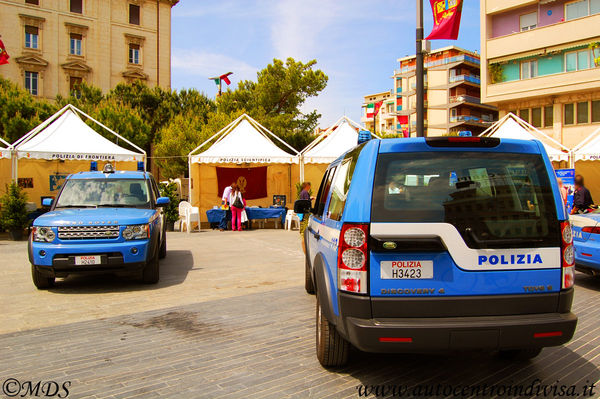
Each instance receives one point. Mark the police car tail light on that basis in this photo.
(353, 258)
(591, 229)
(567, 256)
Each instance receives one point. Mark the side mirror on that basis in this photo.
(162, 201)
(47, 202)
(302, 206)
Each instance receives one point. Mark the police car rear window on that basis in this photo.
(495, 200)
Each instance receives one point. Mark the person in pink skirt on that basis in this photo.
(237, 204)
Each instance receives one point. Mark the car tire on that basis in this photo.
(332, 348)
(309, 285)
(150, 275)
(40, 281)
(520, 354)
(163, 249)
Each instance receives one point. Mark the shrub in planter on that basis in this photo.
(171, 210)
(13, 212)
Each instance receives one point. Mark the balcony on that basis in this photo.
(542, 86)
(542, 38)
(443, 61)
(465, 99)
(496, 6)
(465, 78)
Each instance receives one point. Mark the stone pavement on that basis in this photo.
(241, 340)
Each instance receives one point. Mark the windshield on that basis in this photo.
(104, 192)
(495, 200)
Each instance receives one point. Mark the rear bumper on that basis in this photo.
(460, 333)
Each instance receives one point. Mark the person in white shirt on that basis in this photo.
(225, 201)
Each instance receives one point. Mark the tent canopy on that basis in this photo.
(332, 143)
(244, 141)
(4, 149)
(66, 136)
(513, 127)
(588, 149)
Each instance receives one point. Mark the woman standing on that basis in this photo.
(237, 204)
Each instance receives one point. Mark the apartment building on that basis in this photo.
(56, 44)
(452, 94)
(540, 61)
(386, 117)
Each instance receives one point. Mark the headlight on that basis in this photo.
(137, 232)
(43, 234)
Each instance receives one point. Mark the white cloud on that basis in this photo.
(205, 64)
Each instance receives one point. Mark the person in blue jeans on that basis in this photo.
(225, 201)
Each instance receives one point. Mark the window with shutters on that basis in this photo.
(134, 14)
(76, 6)
(75, 44)
(134, 54)
(33, 2)
(548, 116)
(31, 82)
(528, 21)
(31, 37)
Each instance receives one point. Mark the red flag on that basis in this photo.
(3, 54)
(446, 19)
(251, 181)
(378, 105)
(225, 78)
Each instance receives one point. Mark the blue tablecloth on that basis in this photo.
(215, 215)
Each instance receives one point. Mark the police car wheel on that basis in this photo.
(150, 274)
(163, 249)
(39, 280)
(332, 349)
(520, 354)
(309, 286)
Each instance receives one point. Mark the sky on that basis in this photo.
(355, 42)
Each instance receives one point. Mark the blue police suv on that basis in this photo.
(432, 244)
(108, 222)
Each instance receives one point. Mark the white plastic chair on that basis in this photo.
(290, 218)
(187, 215)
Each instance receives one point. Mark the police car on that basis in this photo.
(432, 244)
(109, 221)
(586, 237)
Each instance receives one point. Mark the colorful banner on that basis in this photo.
(446, 19)
(568, 179)
(3, 54)
(373, 109)
(251, 181)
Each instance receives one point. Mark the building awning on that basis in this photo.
(544, 51)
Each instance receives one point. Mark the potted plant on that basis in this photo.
(595, 47)
(172, 209)
(13, 212)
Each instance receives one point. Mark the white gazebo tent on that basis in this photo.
(586, 156)
(65, 144)
(326, 148)
(5, 164)
(513, 127)
(242, 144)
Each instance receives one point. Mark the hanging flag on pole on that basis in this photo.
(446, 19)
(373, 109)
(3, 54)
(219, 79)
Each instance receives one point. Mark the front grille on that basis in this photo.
(88, 232)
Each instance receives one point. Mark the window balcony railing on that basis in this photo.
(465, 98)
(443, 61)
(465, 78)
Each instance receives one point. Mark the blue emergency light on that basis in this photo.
(140, 166)
(465, 133)
(93, 166)
(364, 136)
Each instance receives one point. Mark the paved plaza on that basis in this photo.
(230, 319)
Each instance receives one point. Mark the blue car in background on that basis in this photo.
(442, 243)
(586, 238)
(101, 222)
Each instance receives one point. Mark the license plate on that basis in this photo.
(88, 260)
(406, 269)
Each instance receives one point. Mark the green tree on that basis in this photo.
(13, 211)
(20, 112)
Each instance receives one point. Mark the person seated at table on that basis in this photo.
(237, 203)
(225, 201)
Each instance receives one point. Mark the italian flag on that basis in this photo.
(373, 109)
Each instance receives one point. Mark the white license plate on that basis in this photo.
(88, 260)
(406, 269)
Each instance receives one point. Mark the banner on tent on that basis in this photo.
(251, 181)
(568, 178)
(56, 182)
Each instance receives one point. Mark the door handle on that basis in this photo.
(317, 236)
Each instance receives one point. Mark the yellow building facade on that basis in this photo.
(541, 61)
(56, 44)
